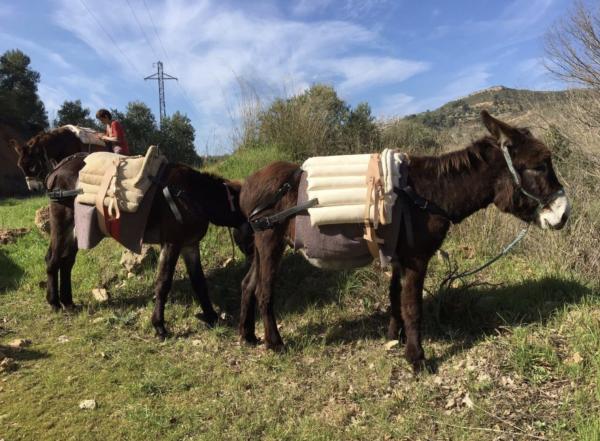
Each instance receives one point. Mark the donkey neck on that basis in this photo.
(460, 182)
(213, 197)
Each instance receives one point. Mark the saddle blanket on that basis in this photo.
(342, 246)
(86, 135)
(119, 181)
(352, 189)
(130, 230)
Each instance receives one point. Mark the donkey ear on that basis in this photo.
(503, 133)
(15, 145)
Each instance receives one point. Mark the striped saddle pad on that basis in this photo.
(353, 188)
(118, 182)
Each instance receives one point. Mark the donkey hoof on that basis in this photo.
(71, 307)
(210, 320)
(249, 340)
(55, 308)
(276, 347)
(161, 333)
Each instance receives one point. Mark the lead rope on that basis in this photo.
(232, 244)
(503, 253)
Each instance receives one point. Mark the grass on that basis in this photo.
(517, 355)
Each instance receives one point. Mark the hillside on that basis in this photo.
(514, 105)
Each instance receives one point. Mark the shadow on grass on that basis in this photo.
(465, 316)
(10, 273)
(299, 286)
(22, 354)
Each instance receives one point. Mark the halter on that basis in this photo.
(541, 202)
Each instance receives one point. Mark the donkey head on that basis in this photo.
(33, 161)
(527, 186)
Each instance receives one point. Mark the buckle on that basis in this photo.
(264, 223)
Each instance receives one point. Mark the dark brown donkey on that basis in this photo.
(205, 199)
(458, 183)
(45, 150)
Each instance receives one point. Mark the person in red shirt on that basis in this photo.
(114, 132)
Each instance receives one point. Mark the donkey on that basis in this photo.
(510, 169)
(208, 199)
(45, 150)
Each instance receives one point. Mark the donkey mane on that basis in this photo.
(456, 161)
(45, 137)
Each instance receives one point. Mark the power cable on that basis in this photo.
(141, 29)
(109, 36)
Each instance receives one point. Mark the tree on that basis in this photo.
(360, 133)
(573, 47)
(140, 127)
(177, 139)
(72, 112)
(20, 104)
(573, 55)
(318, 122)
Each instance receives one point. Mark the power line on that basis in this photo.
(183, 91)
(156, 31)
(141, 29)
(109, 36)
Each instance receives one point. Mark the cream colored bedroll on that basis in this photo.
(353, 189)
(118, 182)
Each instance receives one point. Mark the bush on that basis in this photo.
(315, 123)
(410, 136)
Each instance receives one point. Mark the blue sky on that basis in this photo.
(400, 56)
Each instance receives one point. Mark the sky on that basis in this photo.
(400, 56)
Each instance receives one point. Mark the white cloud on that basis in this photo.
(209, 46)
(398, 104)
(469, 80)
(361, 72)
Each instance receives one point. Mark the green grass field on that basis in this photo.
(517, 353)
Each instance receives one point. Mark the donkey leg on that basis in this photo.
(248, 304)
(52, 267)
(169, 253)
(395, 328)
(193, 264)
(270, 249)
(61, 237)
(412, 311)
(66, 265)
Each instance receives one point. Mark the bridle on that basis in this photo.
(541, 202)
(45, 167)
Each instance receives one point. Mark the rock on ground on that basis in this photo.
(87, 404)
(134, 263)
(100, 294)
(9, 236)
(42, 219)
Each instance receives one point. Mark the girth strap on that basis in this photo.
(172, 204)
(59, 193)
(279, 194)
(268, 222)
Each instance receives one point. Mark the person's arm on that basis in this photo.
(114, 132)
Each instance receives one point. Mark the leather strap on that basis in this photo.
(268, 222)
(58, 194)
(373, 198)
(101, 212)
(172, 204)
(279, 194)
